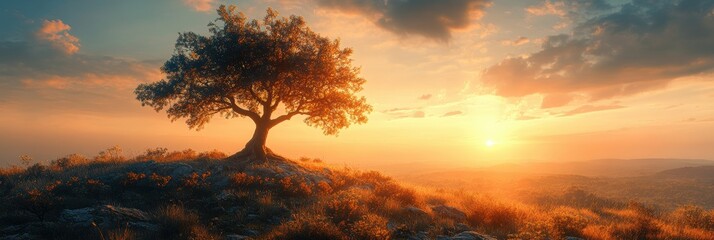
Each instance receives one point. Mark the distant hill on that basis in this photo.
(605, 167)
(701, 172)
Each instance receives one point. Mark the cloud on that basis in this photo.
(568, 8)
(57, 34)
(556, 100)
(200, 5)
(548, 8)
(517, 42)
(425, 97)
(431, 19)
(639, 48)
(452, 113)
(590, 108)
(406, 112)
(34, 75)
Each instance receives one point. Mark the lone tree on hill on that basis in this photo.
(257, 69)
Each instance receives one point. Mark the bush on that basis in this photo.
(566, 222)
(307, 226)
(213, 154)
(370, 226)
(178, 223)
(693, 216)
(68, 161)
(343, 210)
(112, 154)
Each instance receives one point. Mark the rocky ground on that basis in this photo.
(217, 199)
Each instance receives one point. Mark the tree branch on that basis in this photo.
(286, 117)
(241, 111)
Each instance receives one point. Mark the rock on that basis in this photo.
(460, 227)
(24, 236)
(468, 235)
(419, 236)
(574, 238)
(82, 216)
(107, 216)
(180, 170)
(449, 212)
(236, 237)
(415, 211)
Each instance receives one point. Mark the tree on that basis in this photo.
(257, 69)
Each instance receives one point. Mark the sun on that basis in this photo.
(490, 143)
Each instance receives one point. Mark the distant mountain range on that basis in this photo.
(701, 172)
(604, 167)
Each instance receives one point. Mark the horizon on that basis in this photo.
(495, 82)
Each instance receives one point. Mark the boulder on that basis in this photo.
(449, 212)
(415, 211)
(236, 237)
(467, 235)
(107, 216)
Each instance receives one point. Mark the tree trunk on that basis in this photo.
(255, 149)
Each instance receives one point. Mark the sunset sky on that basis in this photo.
(463, 82)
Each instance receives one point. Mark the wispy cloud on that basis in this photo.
(200, 5)
(452, 113)
(516, 42)
(590, 108)
(57, 34)
(425, 97)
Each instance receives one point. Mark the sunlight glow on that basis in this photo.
(490, 143)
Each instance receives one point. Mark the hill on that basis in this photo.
(605, 167)
(184, 195)
(704, 173)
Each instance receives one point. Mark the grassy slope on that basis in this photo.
(200, 197)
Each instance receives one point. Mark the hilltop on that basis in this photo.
(185, 195)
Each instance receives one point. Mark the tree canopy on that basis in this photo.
(257, 69)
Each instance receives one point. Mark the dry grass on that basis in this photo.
(317, 202)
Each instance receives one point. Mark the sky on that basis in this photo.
(457, 82)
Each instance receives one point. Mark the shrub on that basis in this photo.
(25, 159)
(638, 228)
(69, 161)
(37, 201)
(213, 154)
(153, 154)
(392, 190)
(307, 226)
(370, 226)
(111, 154)
(693, 216)
(159, 180)
(180, 155)
(131, 178)
(196, 180)
(178, 223)
(295, 187)
(343, 210)
(566, 222)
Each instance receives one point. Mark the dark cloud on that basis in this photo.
(452, 113)
(641, 47)
(427, 18)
